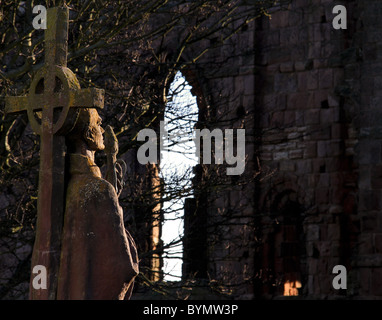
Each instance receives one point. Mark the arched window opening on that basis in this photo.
(177, 161)
(287, 244)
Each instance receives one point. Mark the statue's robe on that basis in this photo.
(98, 255)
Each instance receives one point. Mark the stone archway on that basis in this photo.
(288, 244)
(283, 245)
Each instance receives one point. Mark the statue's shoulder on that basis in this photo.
(97, 189)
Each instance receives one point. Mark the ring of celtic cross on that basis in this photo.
(53, 95)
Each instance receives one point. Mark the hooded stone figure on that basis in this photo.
(98, 255)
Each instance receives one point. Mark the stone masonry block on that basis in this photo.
(277, 119)
(319, 132)
(273, 38)
(289, 118)
(323, 180)
(313, 232)
(287, 165)
(312, 116)
(338, 76)
(337, 195)
(333, 100)
(310, 150)
(322, 149)
(286, 67)
(338, 130)
(326, 116)
(322, 195)
(312, 80)
(378, 243)
(280, 155)
(295, 17)
(325, 78)
(299, 66)
(369, 152)
(370, 200)
(320, 63)
(266, 156)
(318, 165)
(324, 248)
(280, 19)
(369, 221)
(297, 100)
(333, 164)
(336, 147)
(314, 13)
(376, 281)
(365, 244)
(320, 99)
(314, 50)
(285, 82)
(376, 176)
(282, 54)
(249, 84)
(364, 280)
(299, 118)
(296, 154)
(302, 79)
(317, 32)
(336, 178)
(304, 167)
(293, 38)
(334, 232)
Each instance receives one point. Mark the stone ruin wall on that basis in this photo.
(315, 95)
(308, 204)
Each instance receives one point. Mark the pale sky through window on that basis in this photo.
(178, 158)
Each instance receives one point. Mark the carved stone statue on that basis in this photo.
(98, 255)
(92, 256)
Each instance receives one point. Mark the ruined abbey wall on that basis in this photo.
(308, 205)
(313, 94)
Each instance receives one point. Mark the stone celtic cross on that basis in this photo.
(53, 91)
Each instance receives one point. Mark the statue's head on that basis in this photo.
(88, 129)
